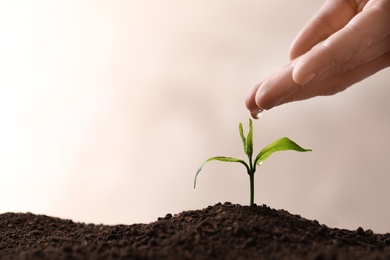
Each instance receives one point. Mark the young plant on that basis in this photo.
(281, 144)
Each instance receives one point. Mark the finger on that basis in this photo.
(281, 75)
(275, 89)
(372, 52)
(250, 101)
(279, 88)
(331, 17)
(364, 30)
(338, 83)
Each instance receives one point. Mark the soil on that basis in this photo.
(222, 231)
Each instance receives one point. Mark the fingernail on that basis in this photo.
(308, 78)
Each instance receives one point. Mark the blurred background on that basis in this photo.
(107, 109)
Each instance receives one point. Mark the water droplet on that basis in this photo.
(257, 114)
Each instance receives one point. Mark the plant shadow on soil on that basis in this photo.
(222, 231)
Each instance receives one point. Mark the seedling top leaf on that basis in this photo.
(281, 144)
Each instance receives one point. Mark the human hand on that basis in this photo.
(344, 43)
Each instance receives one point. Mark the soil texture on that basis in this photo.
(222, 231)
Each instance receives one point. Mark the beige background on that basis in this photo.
(107, 109)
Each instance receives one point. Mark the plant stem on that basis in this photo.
(252, 190)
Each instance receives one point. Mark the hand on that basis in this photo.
(344, 43)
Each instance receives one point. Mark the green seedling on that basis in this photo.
(281, 144)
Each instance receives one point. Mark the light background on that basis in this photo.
(107, 108)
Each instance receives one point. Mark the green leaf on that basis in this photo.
(249, 140)
(242, 136)
(222, 159)
(281, 144)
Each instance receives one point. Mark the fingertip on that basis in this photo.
(295, 50)
(292, 54)
(251, 104)
(259, 99)
(265, 98)
(250, 100)
(303, 79)
(296, 76)
(300, 75)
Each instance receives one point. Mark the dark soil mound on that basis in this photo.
(223, 231)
